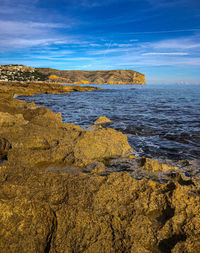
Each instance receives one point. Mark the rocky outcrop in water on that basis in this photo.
(10, 89)
(64, 189)
(102, 120)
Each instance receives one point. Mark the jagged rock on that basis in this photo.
(32, 88)
(102, 120)
(153, 165)
(5, 146)
(100, 144)
(45, 139)
(9, 120)
(48, 205)
(56, 211)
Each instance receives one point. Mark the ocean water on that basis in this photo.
(161, 121)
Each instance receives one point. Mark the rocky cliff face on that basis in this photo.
(94, 77)
(24, 73)
(64, 189)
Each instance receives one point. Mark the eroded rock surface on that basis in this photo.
(64, 189)
(10, 89)
(102, 120)
(40, 135)
(54, 211)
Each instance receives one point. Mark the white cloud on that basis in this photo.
(161, 53)
(15, 28)
(179, 44)
(14, 34)
(110, 50)
(20, 43)
(166, 3)
(174, 52)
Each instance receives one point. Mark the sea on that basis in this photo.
(160, 121)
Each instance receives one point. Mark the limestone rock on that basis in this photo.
(46, 207)
(54, 211)
(100, 144)
(8, 120)
(45, 139)
(102, 120)
(153, 165)
(5, 146)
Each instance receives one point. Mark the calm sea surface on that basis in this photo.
(160, 121)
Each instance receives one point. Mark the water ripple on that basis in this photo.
(160, 121)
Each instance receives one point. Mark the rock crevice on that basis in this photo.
(64, 189)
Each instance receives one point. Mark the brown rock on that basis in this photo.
(102, 120)
(100, 144)
(47, 208)
(44, 139)
(8, 120)
(154, 166)
(5, 146)
(58, 212)
(32, 88)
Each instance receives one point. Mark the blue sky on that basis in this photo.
(158, 38)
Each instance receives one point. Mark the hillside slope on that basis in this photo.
(94, 77)
(27, 74)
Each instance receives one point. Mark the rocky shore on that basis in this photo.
(9, 89)
(64, 189)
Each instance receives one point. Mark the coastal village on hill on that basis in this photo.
(20, 73)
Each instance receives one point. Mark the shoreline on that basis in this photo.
(86, 184)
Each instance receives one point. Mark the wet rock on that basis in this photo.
(153, 165)
(102, 120)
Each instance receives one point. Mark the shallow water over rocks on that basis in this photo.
(160, 121)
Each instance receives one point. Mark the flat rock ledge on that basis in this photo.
(64, 189)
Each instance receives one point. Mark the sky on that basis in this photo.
(159, 38)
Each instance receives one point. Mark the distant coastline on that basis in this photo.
(27, 74)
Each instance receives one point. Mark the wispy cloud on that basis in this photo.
(16, 34)
(166, 3)
(162, 53)
(174, 52)
(164, 31)
(179, 44)
(18, 43)
(16, 28)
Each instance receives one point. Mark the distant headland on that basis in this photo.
(25, 73)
